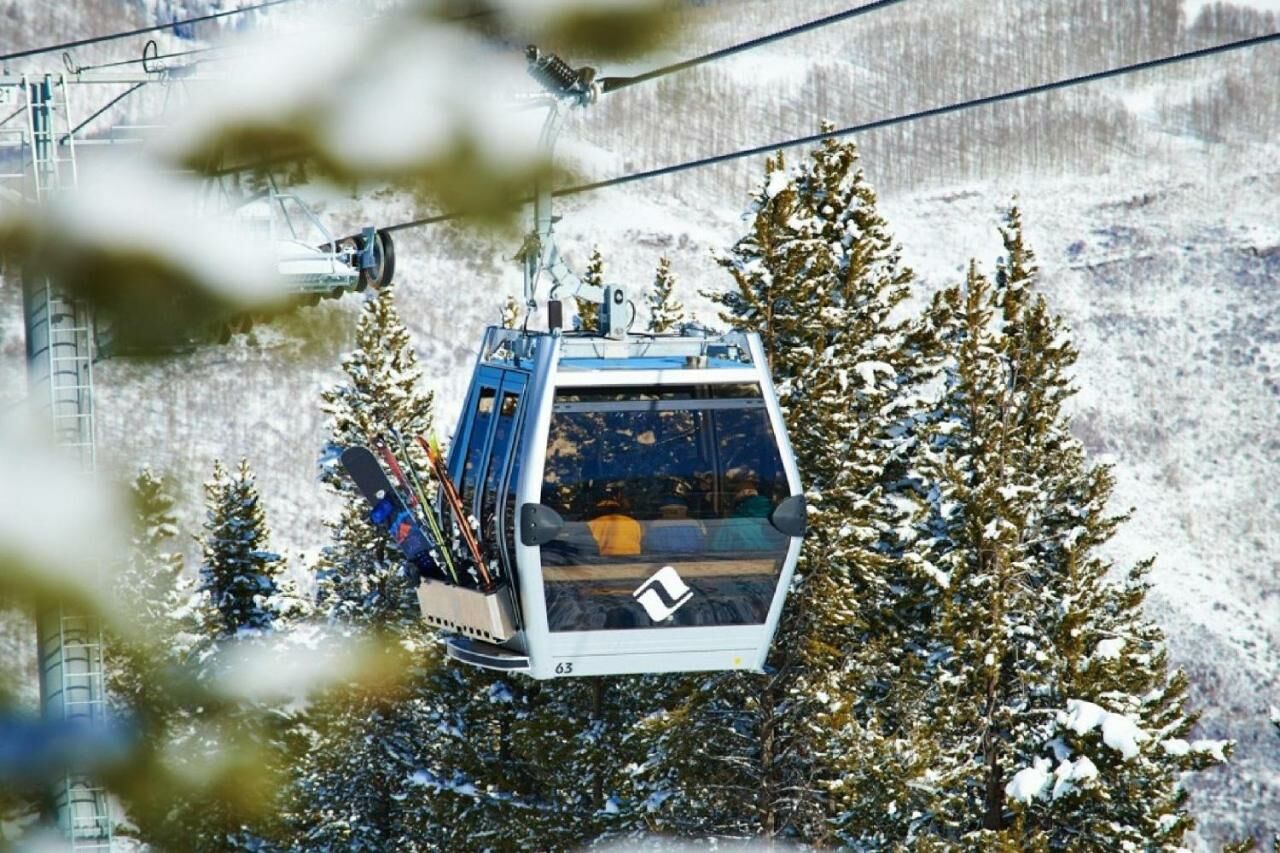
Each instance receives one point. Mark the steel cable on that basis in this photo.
(890, 121)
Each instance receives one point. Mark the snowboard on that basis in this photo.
(388, 510)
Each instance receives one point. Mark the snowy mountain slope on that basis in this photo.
(1174, 313)
(1151, 205)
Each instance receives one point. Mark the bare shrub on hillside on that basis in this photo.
(897, 61)
(1241, 104)
(1220, 21)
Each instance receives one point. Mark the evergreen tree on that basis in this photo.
(1058, 720)
(142, 665)
(359, 578)
(153, 577)
(713, 765)
(589, 309)
(819, 277)
(160, 600)
(457, 756)
(767, 271)
(353, 788)
(236, 749)
(239, 576)
(451, 755)
(382, 390)
(665, 313)
(145, 679)
(521, 765)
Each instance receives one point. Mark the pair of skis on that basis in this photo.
(412, 486)
(436, 459)
(400, 520)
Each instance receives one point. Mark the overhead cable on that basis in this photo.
(142, 30)
(108, 105)
(891, 121)
(74, 69)
(613, 84)
(77, 69)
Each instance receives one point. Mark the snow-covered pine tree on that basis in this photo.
(850, 413)
(382, 393)
(1057, 719)
(665, 313)
(766, 270)
(819, 277)
(464, 758)
(143, 663)
(714, 766)
(154, 575)
(159, 598)
(382, 389)
(237, 750)
(239, 577)
(858, 609)
(521, 765)
(352, 789)
(589, 309)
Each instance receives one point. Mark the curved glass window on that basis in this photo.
(666, 494)
(480, 420)
(504, 433)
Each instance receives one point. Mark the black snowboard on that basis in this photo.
(388, 510)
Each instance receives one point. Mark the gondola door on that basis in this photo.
(501, 458)
(483, 457)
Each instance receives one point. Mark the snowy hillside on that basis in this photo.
(1151, 204)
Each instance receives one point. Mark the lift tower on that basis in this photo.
(59, 337)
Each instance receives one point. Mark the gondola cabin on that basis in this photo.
(637, 501)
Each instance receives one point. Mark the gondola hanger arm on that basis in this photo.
(565, 87)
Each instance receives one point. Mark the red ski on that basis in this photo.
(451, 496)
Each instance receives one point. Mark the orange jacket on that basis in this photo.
(616, 535)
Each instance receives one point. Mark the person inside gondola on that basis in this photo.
(747, 528)
(675, 532)
(616, 533)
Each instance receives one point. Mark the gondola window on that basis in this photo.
(685, 477)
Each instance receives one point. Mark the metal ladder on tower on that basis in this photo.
(59, 331)
(48, 105)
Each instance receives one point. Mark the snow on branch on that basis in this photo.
(1118, 731)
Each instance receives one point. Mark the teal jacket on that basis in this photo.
(748, 529)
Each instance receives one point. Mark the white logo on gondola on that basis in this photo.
(665, 583)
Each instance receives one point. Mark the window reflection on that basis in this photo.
(503, 433)
(647, 478)
(475, 445)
